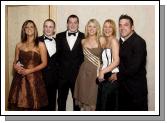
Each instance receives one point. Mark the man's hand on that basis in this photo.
(113, 77)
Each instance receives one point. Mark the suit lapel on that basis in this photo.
(65, 41)
(77, 41)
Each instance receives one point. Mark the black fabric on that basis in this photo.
(70, 61)
(107, 97)
(50, 76)
(132, 74)
(72, 33)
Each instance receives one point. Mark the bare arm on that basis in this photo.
(115, 56)
(17, 66)
(115, 62)
(43, 53)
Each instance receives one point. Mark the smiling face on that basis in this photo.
(49, 28)
(72, 24)
(92, 30)
(29, 29)
(125, 28)
(107, 29)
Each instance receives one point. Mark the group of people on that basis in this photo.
(103, 74)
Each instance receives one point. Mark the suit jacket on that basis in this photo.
(132, 71)
(53, 61)
(70, 60)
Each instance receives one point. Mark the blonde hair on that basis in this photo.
(98, 29)
(113, 26)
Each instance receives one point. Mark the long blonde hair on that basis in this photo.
(98, 33)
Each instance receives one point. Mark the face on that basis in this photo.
(72, 25)
(29, 29)
(91, 29)
(49, 28)
(107, 29)
(125, 28)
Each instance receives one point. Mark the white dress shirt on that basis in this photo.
(51, 46)
(71, 39)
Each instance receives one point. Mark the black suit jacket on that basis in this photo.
(70, 60)
(132, 74)
(53, 61)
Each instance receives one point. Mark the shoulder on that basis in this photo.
(41, 45)
(139, 40)
(81, 33)
(18, 45)
(114, 41)
(41, 39)
(83, 41)
(61, 34)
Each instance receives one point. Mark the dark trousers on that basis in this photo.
(63, 89)
(107, 97)
(51, 82)
(129, 102)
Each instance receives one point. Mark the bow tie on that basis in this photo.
(72, 33)
(50, 39)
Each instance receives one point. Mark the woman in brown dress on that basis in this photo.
(85, 91)
(27, 90)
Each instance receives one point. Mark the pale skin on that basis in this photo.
(126, 30)
(111, 43)
(91, 41)
(49, 28)
(27, 46)
(72, 25)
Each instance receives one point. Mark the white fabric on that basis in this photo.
(107, 62)
(71, 39)
(51, 46)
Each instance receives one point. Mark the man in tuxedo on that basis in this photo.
(71, 57)
(132, 71)
(50, 72)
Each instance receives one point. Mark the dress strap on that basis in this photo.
(91, 57)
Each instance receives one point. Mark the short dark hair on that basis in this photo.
(125, 16)
(50, 21)
(73, 16)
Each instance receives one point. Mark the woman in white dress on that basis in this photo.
(107, 90)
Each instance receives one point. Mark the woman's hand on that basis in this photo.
(101, 75)
(25, 71)
(18, 67)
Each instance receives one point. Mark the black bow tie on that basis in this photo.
(72, 33)
(50, 39)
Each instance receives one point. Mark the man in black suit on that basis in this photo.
(132, 71)
(71, 57)
(50, 72)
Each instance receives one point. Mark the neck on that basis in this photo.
(108, 41)
(92, 37)
(49, 36)
(30, 39)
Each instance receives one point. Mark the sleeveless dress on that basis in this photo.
(85, 92)
(28, 92)
(107, 98)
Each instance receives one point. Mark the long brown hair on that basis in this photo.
(24, 35)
